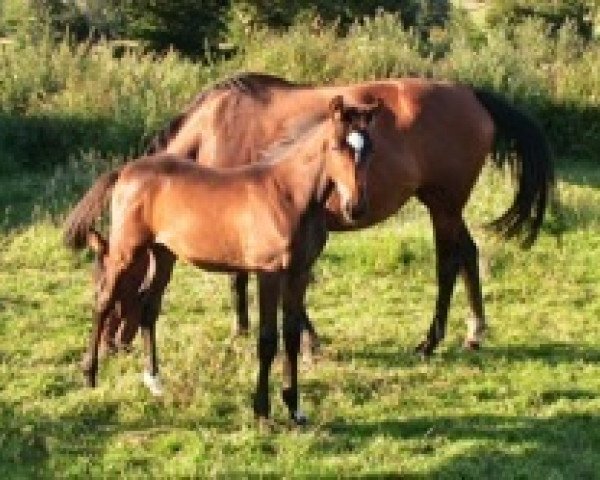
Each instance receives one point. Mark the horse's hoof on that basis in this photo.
(153, 384)
(299, 418)
(472, 345)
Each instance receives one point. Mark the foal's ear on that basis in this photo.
(373, 109)
(97, 242)
(336, 107)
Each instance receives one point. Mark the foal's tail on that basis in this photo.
(521, 143)
(80, 220)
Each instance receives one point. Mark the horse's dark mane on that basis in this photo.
(255, 85)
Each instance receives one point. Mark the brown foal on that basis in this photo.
(267, 218)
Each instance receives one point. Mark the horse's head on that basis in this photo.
(123, 322)
(350, 153)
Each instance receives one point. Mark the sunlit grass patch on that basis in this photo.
(525, 406)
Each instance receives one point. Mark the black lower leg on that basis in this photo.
(90, 362)
(150, 312)
(448, 265)
(267, 349)
(291, 338)
(239, 289)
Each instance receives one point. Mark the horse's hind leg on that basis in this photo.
(470, 273)
(152, 300)
(447, 226)
(310, 345)
(239, 289)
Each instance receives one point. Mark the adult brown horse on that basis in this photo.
(267, 218)
(431, 143)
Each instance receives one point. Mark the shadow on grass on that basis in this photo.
(389, 354)
(516, 447)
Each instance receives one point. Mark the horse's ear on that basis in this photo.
(336, 107)
(97, 242)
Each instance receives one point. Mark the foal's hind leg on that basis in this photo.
(150, 311)
(239, 289)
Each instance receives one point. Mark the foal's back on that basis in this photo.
(218, 219)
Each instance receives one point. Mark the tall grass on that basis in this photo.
(57, 99)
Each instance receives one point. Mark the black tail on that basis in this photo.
(521, 143)
(79, 222)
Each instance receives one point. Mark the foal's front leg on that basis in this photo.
(268, 292)
(293, 313)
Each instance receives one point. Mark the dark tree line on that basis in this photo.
(195, 26)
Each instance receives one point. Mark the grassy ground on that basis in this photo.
(526, 406)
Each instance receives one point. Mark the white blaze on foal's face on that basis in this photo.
(357, 141)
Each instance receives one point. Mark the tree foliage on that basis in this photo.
(192, 26)
(554, 12)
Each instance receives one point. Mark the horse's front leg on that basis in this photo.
(268, 292)
(293, 316)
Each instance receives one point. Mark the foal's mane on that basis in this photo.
(256, 85)
(275, 152)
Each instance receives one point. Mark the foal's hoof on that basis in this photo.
(153, 384)
(472, 345)
(424, 350)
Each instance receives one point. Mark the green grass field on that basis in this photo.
(526, 406)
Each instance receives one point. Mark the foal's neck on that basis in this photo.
(300, 176)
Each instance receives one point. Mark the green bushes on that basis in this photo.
(555, 13)
(56, 100)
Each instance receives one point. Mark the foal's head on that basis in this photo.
(349, 154)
